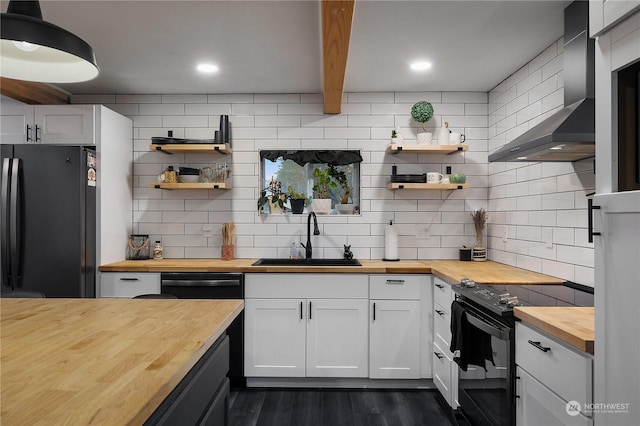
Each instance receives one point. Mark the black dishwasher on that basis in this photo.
(210, 285)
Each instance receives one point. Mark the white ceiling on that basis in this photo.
(275, 46)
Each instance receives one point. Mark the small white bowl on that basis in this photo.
(188, 178)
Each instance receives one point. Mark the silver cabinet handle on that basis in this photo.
(128, 279)
(440, 286)
(396, 282)
(441, 313)
(439, 355)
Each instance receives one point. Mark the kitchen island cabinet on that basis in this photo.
(104, 361)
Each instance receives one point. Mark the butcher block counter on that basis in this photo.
(449, 270)
(101, 361)
(572, 325)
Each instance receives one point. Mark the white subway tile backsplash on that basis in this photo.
(529, 199)
(161, 109)
(184, 99)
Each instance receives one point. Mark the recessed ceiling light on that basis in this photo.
(420, 66)
(207, 68)
(558, 147)
(521, 158)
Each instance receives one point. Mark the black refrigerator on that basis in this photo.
(48, 220)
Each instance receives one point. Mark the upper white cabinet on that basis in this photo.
(604, 14)
(50, 124)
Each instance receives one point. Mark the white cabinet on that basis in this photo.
(537, 405)
(50, 124)
(604, 14)
(337, 331)
(395, 340)
(306, 325)
(555, 381)
(617, 293)
(275, 337)
(445, 370)
(129, 284)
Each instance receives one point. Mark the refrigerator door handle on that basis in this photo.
(4, 221)
(15, 223)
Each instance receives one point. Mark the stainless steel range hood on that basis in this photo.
(569, 134)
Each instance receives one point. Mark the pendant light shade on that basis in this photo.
(35, 50)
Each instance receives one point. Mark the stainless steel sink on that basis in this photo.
(306, 262)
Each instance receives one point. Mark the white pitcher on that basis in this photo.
(443, 134)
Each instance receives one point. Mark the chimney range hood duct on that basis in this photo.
(569, 134)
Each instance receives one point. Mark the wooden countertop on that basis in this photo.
(572, 325)
(449, 270)
(101, 361)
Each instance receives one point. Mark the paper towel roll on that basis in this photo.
(390, 242)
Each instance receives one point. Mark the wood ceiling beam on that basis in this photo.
(32, 93)
(337, 16)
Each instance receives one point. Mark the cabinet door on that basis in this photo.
(65, 124)
(16, 123)
(394, 339)
(617, 250)
(128, 284)
(337, 338)
(537, 405)
(604, 14)
(274, 337)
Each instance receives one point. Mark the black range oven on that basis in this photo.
(486, 388)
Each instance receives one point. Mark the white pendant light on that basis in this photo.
(32, 49)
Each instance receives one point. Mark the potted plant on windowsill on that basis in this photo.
(273, 196)
(321, 203)
(297, 199)
(341, 177)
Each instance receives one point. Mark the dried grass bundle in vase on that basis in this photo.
(480, 218)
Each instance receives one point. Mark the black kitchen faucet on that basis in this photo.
(307, 248)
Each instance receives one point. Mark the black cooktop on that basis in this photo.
(499, 302)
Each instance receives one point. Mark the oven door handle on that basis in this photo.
(483, 325)
(200, 283)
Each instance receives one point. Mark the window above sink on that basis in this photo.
(293, 172)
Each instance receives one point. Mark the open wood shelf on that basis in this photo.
(400, 185)
(191, 148)
(190, 185)
(426, 149)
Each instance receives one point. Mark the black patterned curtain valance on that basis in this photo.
(332, 158)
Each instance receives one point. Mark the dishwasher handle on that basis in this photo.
(200, 283)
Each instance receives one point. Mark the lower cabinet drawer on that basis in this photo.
(442, 293)
(442, 372)
(442, 323)
(537, 405)
(560, 368)
(128, 284)
(395, 287)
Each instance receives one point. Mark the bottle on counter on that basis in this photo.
(157, 250)
(293, 252)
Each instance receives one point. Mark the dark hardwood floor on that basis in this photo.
(329, 407)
